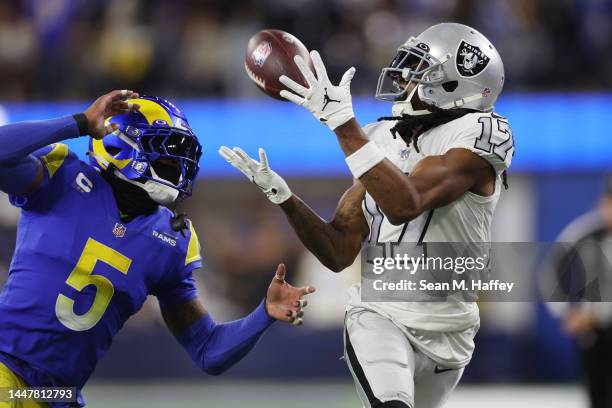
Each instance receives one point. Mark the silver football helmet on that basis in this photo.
(453, 65)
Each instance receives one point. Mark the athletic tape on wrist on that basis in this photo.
(368, 156)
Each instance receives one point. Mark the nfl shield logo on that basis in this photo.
(261, 53)
(119, 230)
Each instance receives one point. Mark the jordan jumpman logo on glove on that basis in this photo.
(321, 92)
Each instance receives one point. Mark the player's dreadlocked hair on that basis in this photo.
(410, 127)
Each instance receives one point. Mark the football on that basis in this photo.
(269, 55)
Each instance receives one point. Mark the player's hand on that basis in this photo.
(331, 104)
(579, 322)
(259, 172)
(113, 103)
(285, 302)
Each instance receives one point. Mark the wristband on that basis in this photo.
(82, 123)
(361, 161)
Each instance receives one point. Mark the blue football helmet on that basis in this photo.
(153, 148)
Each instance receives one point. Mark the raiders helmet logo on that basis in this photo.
(470, 60)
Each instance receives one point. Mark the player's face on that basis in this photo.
(403, 60)
(409, 87)
(406, 69)
(414, 63)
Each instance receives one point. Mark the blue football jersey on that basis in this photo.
(79, 272)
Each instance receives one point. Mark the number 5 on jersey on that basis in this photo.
(82, 276)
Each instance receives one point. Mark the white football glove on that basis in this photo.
(329, 103)
(259, 172)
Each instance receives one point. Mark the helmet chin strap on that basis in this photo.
(405, 107)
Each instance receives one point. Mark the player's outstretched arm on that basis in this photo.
(436, 181)
(337, 243)
(217, 347)
(20, 172)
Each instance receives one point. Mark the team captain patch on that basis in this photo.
(470, 59)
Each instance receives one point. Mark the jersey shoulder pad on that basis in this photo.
(59, 166)
(55, 157)
(486, 134)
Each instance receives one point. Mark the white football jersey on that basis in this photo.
(467, 219)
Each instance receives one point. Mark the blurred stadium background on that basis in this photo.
(56, 55)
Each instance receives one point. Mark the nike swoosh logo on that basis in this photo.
(439, 370)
